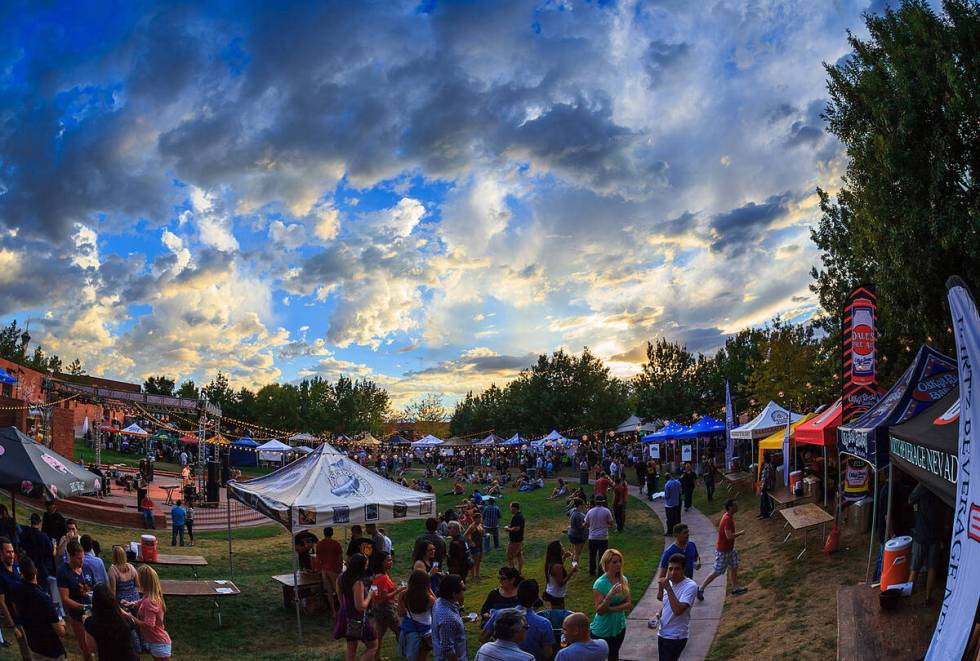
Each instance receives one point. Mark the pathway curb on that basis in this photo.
(641, 641)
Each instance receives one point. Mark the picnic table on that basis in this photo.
(169, 488)
(211, 589)
(169, 560)
(865, 631)
(804, 517)
(783, 497)
(309, 584)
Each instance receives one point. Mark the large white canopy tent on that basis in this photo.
(427, 441)
(326, 488)
(635, 424)
(770, 420)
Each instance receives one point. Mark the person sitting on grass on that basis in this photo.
(559, 491)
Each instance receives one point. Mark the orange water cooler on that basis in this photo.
(148, 548)
(795, 478)
(896, 563)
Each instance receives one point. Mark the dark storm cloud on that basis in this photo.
(737, 230)
(478, 365)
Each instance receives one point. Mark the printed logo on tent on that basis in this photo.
(372, 512)
(341, 514)
(952, 415)
(344, 482)
(26, 487)
(399, 510)
(779, 416)
(54, 463)
(425, 507)
(307, 516)
(974, 532)
(2, 450)
(54, 490)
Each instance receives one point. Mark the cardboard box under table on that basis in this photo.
(309, 585)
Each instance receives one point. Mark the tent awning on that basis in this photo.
(821, 429)
(6, 378)
(775, 440)
(427, 441)
(927, 380)
(927, 446)
(770, 420)
(134, 430)
(33, 470)
(326, 488)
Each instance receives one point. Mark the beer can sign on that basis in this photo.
(863, 342)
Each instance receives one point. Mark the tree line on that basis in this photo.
(346, 406)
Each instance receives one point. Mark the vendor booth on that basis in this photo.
(776, 440)
(770, 420)
(489, 441)
(242, 453)
(515, 441)
(925, 447)
(326, 488)
(927, 380)
(368, 440)
(427, 441)
(821, 430)
(273, 450)
(634, 425)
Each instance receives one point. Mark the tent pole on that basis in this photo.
(874, 512)
(888, 513)
(228, 511)
(825, 474)
(299, 621)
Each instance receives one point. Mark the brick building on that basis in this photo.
(65, 419)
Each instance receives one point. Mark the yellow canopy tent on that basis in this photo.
(775, 440)
(368, 439)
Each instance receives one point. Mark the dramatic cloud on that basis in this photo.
(424, 194)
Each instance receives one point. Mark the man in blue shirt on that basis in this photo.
(178, 517)
(491, 521)
(92, 565)
(581, 645)
(540, 638)
(684, 546)
(672, 504)
(448, 634)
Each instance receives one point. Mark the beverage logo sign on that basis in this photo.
(952, 415)
(859, 323)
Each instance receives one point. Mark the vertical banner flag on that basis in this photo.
(729, 419)
(859, 326)
(959, 607)
(789, 420)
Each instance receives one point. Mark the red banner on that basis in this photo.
(859, 327)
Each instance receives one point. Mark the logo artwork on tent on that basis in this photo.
(344, 482)
(54, 463)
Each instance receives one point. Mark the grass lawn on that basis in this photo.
(257, 627)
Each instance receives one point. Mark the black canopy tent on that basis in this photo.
(37, 471)
(926, 446)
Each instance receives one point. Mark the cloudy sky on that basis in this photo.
(424, 193)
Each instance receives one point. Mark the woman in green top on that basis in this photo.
(611, 594)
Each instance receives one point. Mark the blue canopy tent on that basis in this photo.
(514, 441)
(396, 439)
(706, 426)
(669, 432)
(242, 453)
(5, 378)
(489, 441)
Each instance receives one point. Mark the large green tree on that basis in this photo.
(906, 105)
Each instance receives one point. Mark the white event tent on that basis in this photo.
(427, 441)
(273, 451)
(772, 419)
(326, 488)
(635, 424)
(302, 437)
(134, 430)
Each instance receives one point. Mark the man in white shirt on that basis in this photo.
(598, 520)
(678, 594)
(581, 646)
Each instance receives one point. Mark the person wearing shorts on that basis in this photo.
(726, 557)
(578, 534)
(515, 531)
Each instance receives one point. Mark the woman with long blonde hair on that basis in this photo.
(150, 611)
(611, 597)
(123, 578)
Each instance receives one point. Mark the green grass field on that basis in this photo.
(256, 626)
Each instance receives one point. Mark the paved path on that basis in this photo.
(641, 641)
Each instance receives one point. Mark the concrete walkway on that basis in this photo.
(641, 641)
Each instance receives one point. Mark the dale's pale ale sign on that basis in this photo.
(859, 327)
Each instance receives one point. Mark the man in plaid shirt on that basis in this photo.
(448, 634)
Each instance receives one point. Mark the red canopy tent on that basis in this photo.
(822, 430)
(186, 438)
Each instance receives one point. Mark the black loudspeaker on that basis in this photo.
(214, 471)
(225, 469)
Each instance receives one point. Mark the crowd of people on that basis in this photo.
(52, 578)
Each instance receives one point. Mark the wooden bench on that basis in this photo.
(210, 589)
(168, 560)
(865, 631)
